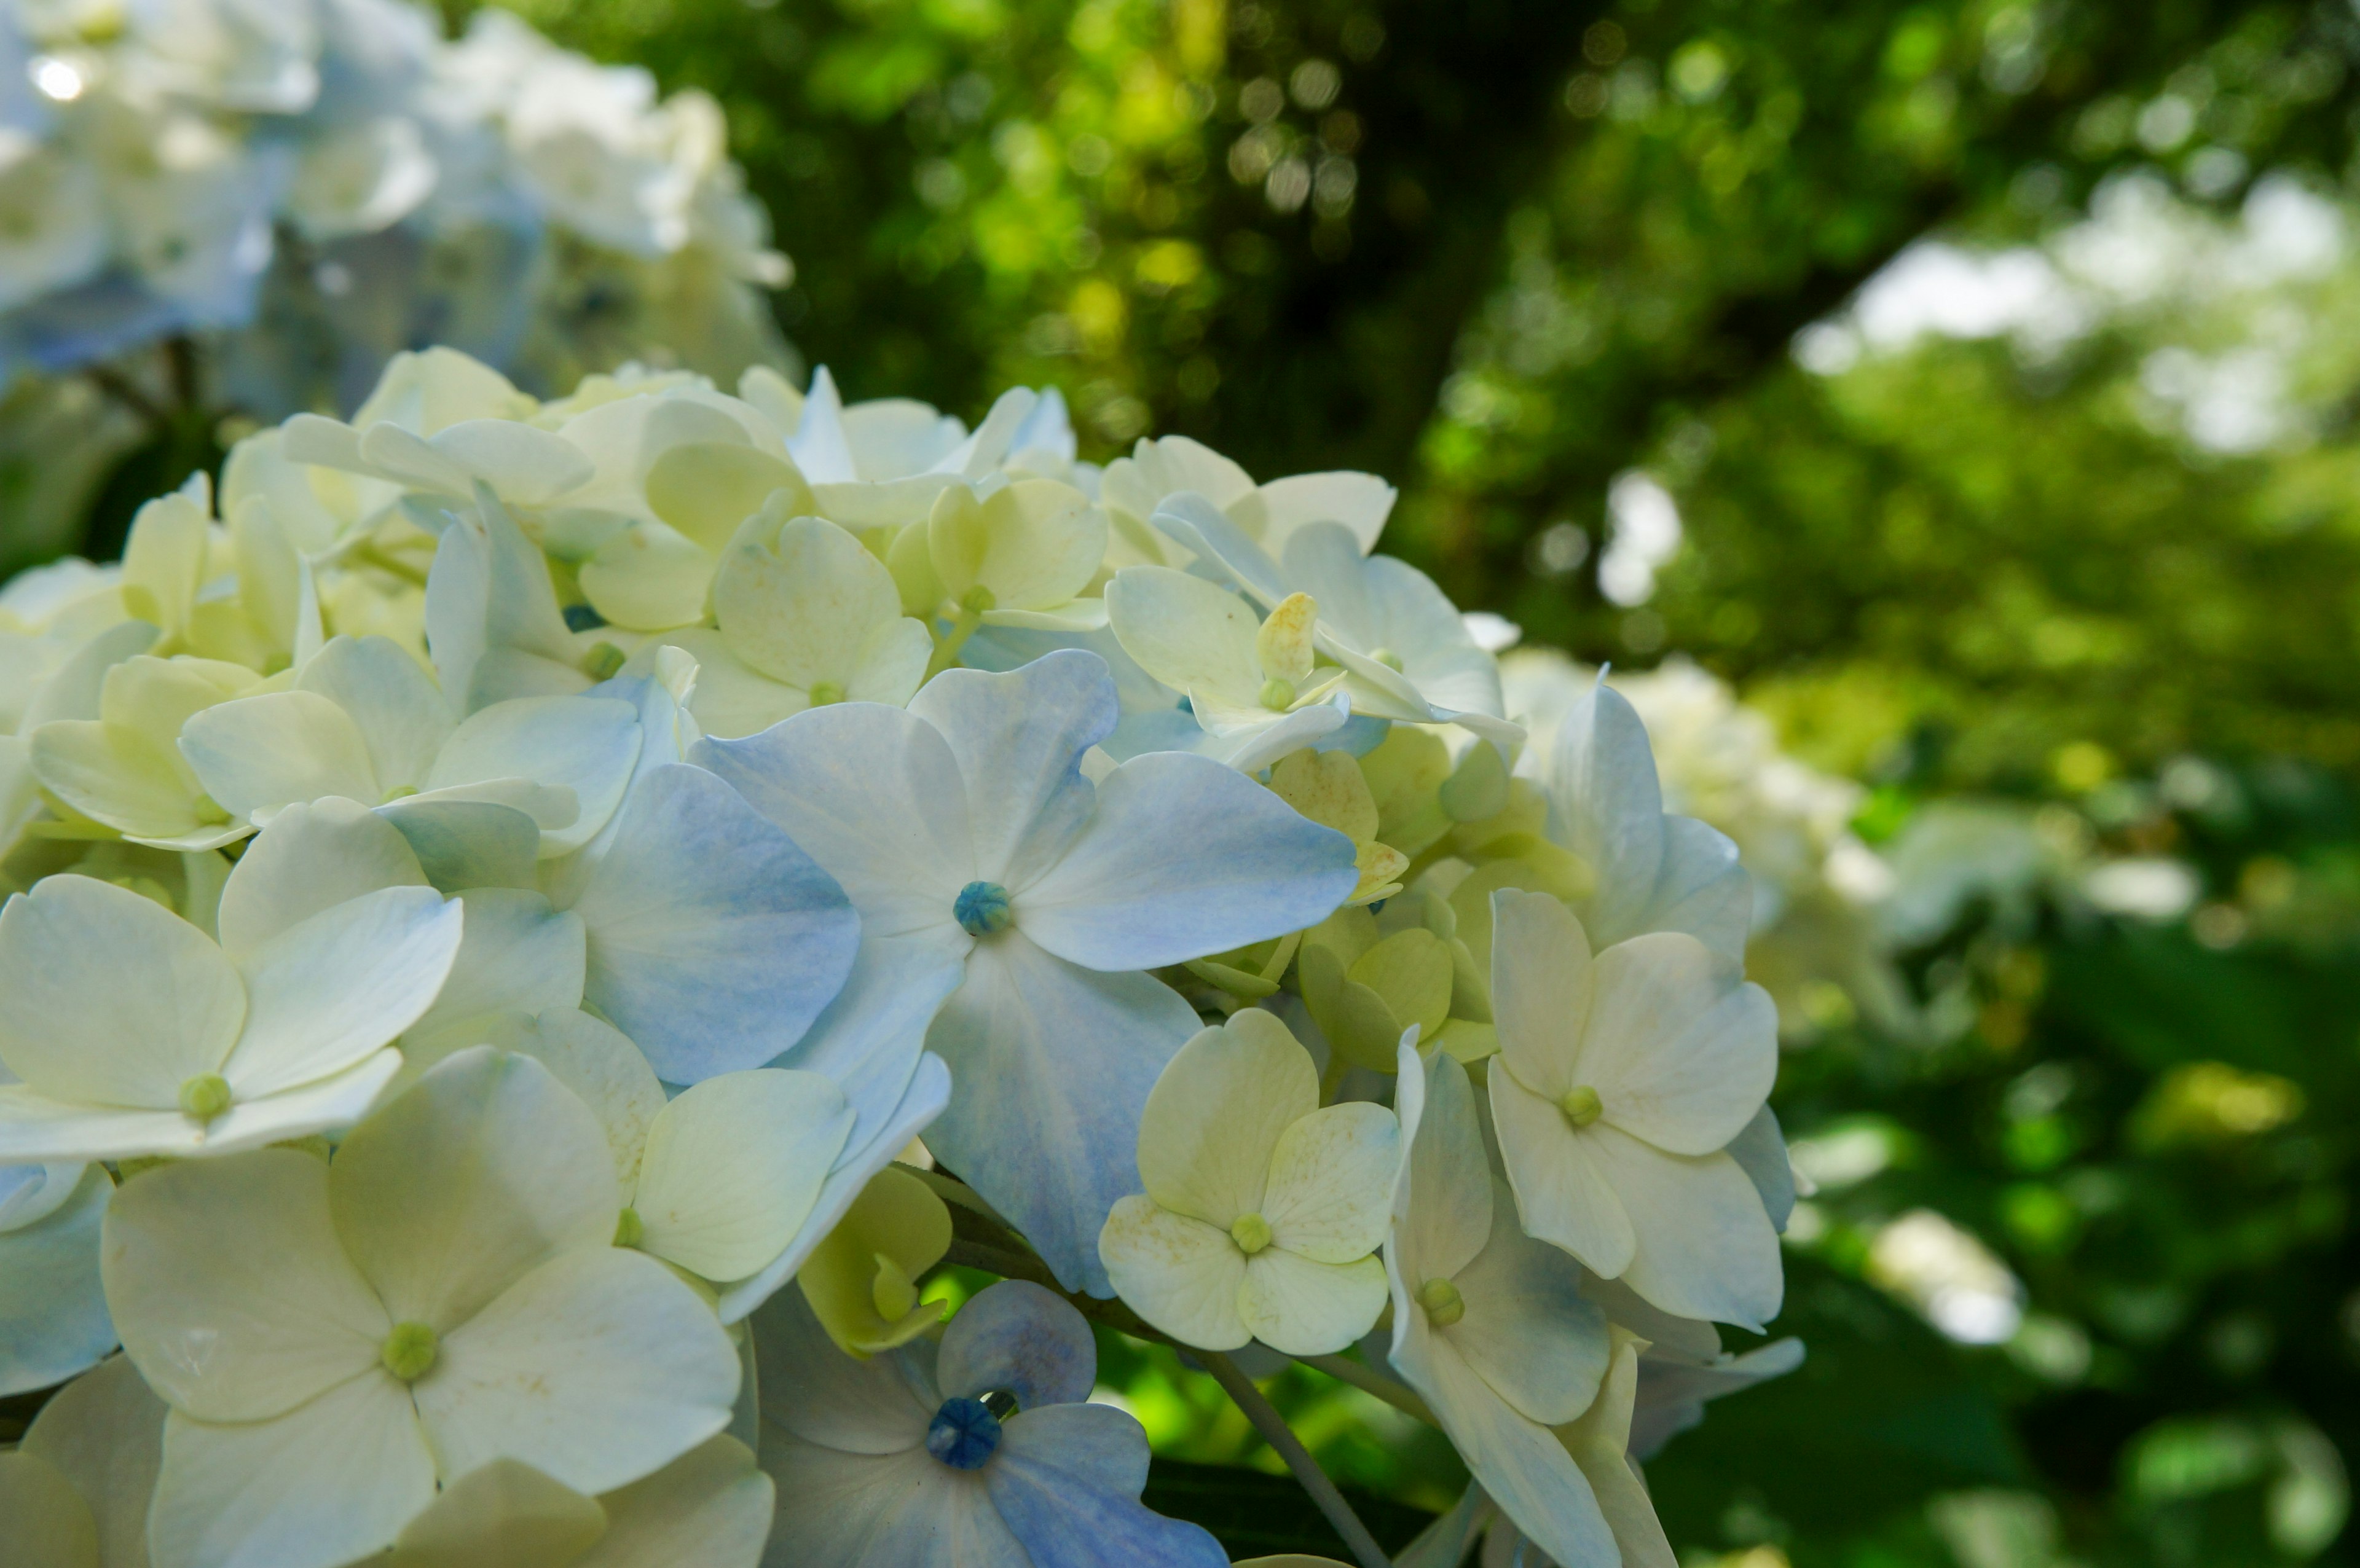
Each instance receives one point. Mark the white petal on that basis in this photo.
(1177, 1272)
(1442, 1203)
(648, 578)
(34, 1127)
(714, 941)
(1331, 1182)
(1601, 1443)
(463, 844)
(311, 858)
(710, 1507)
(584, 743)
(72, 1029)
(229, 1288)
(1217, 1113)
(605, 1070)
(1019, 740)
(1542, 988)
(796, 600)
(1192, 635)
(1681, 1051)
(1361, 502)
(1528, 1331)
(323, 995)
(1054, 1064)
(53, 1317)
(1304, 1307)
(1566, 1195)
(517, 955)
(395, 704)
(49, 1526)
(256, 754)
(1183, 857)
(501, 1515)
(329, 1481)
(1705, 1246)
(491, 614)
(730, 699)
(599, 1367)
(893, 658)
(104, 1432)
(733, 1167)
(484, 1169)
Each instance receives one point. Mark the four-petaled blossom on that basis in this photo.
(1014, 902)
(979, 1450)
(278, 1030)
(334, 1340)
(1489, 1326)
(1263, 1209)
(1252, 685)
(1621, 1079)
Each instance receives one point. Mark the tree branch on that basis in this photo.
(1281, 1437)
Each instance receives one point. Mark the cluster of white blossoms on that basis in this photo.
(502, 889)
(316, 184)
(1821, 942)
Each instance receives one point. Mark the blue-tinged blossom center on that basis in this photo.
(964, 1434)
(982, 909)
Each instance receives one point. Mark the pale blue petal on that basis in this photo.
(492, 620)
(1005, 648)
(714, 941)
(814, 1391)
(53, 1321)
(1052, 1065)
(462, 844)
(1221, 545)
(872, 1035)
(516, 954)
(1021, 1338)
(818, 445)
(1019, 740)
(587, 744)
(1184, 857)
(865, 1153)
(1760, 1150)
(1067, 1483)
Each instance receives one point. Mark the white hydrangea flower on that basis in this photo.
(353, 1355)
(1263, 1210)
(1136, 487)
(1621, 1079)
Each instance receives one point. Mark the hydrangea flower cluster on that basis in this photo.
(539, 928)
(315, 184)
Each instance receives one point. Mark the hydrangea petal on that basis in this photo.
(1528, 1331)
(1187, 633)
(1184, 857)
(1562, 1188)
(53, 1317)
(323, 995)
(732, 1165)
(1177, 1271)
(312, 857)
(1303, 1307)
(1542, 988)
(1705, 1246)
(105, 1433)
(1217, 1114)
(710, 1507)
(504, 1514)
(1331, 1181)
(1019, 740)
(238, 1321)
(1681, 1052)
(257, 754)
(1067, 1483)
(586, 743)
(599, 1367)
(395, 704)
(1020, 1338)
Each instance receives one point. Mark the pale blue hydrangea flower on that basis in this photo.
(53, 1320)
(980, 1453)
(997, 883)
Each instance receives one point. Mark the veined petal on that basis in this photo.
(74, 1030)
(229, 1288)
(1064, 1484)
(797, 596)
(1541, 990)
(1183, 857)
(330, 1481)
(599, 1367)
(1528, 1331)
(714, 941)
(1305, 1307)
(1331, 1182)
(1705, 1246)
(399, 711)
(892, 664)
(733, 1167)
(648, 578)
(326, 993)
(1032, 543)
(1019, 739)
(1218, 1115)
(463, 844)
(1054, 1064)
(1563, 1191)
(256, 754)
(1599, 1443)
(1681, 1051)
(53, 1317)
(1179, 1273)
(1018, 1336)
(706, 489)
(491, 614)
(311, 858)
(483, 1170)
(586, 743)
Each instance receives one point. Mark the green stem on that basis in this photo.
(947, 651)
(1282, 1439)
(1370, 1381)
(1276, 967)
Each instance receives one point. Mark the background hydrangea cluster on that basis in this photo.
(506, 882)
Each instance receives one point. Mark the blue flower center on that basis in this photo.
(964, 1434)
(982, 909)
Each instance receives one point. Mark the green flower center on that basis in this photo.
(1276, 694)
(409, 1351)
(979, 600)
(981, 909)
(1581, 1106)
(1388, 658)
(1442, 1302)
(825, 693)
(601, 661)
(204, 1097)
(629, 1229)
(1251, 1233)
